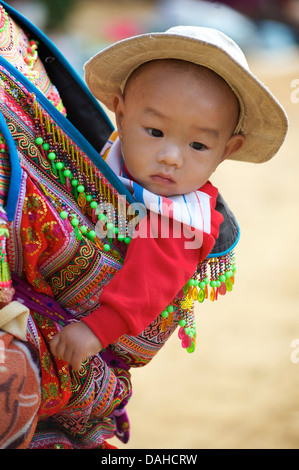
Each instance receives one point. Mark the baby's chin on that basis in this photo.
(160, 188)
(162, 193)
(168, 192)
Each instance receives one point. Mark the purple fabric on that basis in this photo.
(41, 303)
(113, 360)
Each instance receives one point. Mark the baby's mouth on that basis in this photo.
(162, 179)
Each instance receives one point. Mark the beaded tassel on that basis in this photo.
(187, 330)
(93, 194)
(220, 280)
(167, 318)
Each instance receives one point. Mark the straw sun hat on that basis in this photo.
(262, 121)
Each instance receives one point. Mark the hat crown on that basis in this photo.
(262, 120)
(215, 38)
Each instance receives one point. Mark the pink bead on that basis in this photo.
(186, 342)
(94, 216)
(68, 184)
(181, 332)
(222, 289)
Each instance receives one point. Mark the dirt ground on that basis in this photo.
(239, 389)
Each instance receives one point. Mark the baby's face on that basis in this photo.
(176, 126)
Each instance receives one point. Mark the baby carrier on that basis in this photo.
(54, 190)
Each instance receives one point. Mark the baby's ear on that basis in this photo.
(118, 105)
(234, 143)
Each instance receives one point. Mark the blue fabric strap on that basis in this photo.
(16, 171)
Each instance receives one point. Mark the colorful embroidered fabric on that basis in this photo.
(4, 174)
(22, 53)
(78, 409)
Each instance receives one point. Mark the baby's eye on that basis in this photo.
(155, 132)
(198, 146)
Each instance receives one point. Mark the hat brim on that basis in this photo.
(264, 122)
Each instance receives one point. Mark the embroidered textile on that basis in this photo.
(77, 409)
(14, 47)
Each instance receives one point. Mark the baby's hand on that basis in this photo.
(75, 343)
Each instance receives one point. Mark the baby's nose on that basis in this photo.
(171, 155)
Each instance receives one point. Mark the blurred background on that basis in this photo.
(81, 27)
(240, 388)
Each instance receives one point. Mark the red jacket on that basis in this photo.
(154, 271)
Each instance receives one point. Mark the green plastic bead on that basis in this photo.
(75, 222)
(191, 348)
(170, 308)
(213, 283)
(186, 289)
(201, 296)
(127, 240)
(228, 274)
(51, 156)
(67, 173)
(110, 226)
(202, 284)
(164, 314)
(80, 188)
(207, 280)
(93, 204)
(102, 217)
(83, 229)
(39, 141)
(46, 146)
(63, 214)
(191, 282)
(106, 247)
(59, 165)
(75, 182)
(222, 278)
(89, 197)
(91, 234)
(218, 283)
(182, 322)
(121, 238)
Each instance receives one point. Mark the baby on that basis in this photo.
(184, 101)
